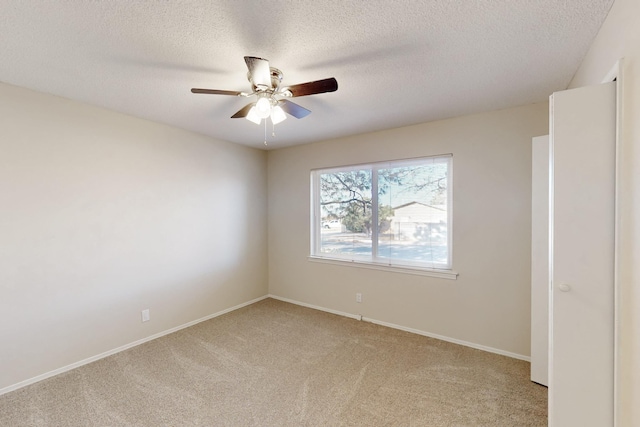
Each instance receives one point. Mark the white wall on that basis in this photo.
(103, 215)
(618, 38)
(489, 303)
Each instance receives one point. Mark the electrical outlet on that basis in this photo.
(145, 315)
(358, 297)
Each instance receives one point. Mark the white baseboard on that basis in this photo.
(124, 347)
(406, 329)
(220, 313)
(316, 307)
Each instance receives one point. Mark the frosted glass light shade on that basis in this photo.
(263, 107)
(277, 115)
(253, 116)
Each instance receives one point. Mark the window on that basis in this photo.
(395, 214)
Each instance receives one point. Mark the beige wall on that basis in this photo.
(618, 38)
(489, 303)
(103, 215)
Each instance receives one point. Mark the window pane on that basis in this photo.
(345, 210)
(412, 213)
(411, 200)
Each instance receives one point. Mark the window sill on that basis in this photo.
(441, 274)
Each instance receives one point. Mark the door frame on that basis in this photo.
(616, 74)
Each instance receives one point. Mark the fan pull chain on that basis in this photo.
(265, 132)
(273, 130)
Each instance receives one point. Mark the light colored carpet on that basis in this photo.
(278, 364)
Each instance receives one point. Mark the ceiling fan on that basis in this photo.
(272, 99)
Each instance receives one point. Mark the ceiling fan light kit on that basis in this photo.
(263, 107)
(272, 100)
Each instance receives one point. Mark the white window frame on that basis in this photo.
(373, 262)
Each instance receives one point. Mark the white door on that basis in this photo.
(582, 256)
(540, 259)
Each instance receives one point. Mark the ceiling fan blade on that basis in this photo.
(243, 111)
(259, 71)
(294, 109)
(216, 92)
(311, 88)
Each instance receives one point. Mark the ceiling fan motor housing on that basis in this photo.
(276, 79)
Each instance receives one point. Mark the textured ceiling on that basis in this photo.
(396, 62)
